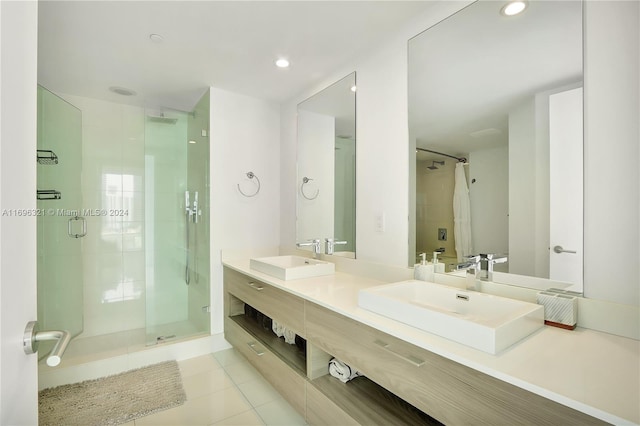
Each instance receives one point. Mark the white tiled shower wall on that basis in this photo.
(434, 205)
(113, 148)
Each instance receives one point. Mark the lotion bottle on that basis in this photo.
(437, 266)
(423, 271)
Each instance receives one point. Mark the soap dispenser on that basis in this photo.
(423, 271)
(437, 266)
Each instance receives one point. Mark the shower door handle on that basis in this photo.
(84, 227)
(33, 336)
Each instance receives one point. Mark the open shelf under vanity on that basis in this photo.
(291, 354)
(369, 403)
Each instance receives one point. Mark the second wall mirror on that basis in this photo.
(500, 98)
(326, 162)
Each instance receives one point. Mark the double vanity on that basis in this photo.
(429, 353)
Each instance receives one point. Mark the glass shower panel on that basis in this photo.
(345, 194)
(60, 226)
(198, 183)
(177, 224)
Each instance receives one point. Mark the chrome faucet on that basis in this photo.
(312, 243)
(473, 268)
(491, 260)
(331, 244)
(474, 263)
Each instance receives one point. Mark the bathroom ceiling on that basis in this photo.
(468, 72)
(84, 47)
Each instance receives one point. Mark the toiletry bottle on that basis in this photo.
(437, 266)
(423, 271)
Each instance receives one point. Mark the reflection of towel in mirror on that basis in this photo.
(289, 336)
(277, 328)
(342, 371)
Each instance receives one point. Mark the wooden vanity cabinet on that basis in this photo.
(446, 390)
(277, 304)
(280, 363)
(403, 384)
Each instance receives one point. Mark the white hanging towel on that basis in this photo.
(461, 214)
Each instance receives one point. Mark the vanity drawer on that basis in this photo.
(322, 411)
(275, 303)
(290, 384)
(450, 392)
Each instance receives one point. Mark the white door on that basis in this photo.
(566, 197)
(18, 83)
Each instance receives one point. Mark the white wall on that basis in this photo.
(523, 193)
(611, 105)
(382, 164)
(316, 161)
(490, 199)
(18, 77)
(244, 136)
(611, 151)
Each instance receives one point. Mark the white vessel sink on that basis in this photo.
(292, 267)
(482, 321)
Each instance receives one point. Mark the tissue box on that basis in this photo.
(560, 310)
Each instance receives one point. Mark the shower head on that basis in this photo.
(433, 165)
(162, 119)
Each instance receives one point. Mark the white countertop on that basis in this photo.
(590, 371)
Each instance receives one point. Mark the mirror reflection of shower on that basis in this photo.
(433, 165)
(435, 187)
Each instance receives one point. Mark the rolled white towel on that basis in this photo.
(277, 328)
(289, 336)
(342, 371)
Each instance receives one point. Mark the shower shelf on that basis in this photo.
(47, 157)
(48, 194)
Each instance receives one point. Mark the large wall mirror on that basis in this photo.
(496, 123)
(326, 196)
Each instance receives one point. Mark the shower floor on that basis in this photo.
(88, 358)
(82, 350)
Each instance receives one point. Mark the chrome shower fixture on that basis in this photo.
(161, 118)
(192, 211)
(433, 165)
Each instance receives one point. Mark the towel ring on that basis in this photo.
(251, 175)
(306, 180)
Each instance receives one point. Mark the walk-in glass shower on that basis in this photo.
(122, 257)
(177, 223)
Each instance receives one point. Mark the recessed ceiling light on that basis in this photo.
(156, 38)
(513, 8)
(122, 91)
(282, 63)
(354, 88)
(192, 141)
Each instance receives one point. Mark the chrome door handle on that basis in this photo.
(33, 336)
(559, 249)
(417, 362)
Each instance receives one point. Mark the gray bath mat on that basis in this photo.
(115, 399)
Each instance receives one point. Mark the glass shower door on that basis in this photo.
(177, 224)
(60, 224)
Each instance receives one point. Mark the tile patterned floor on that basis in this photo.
(224, 389)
